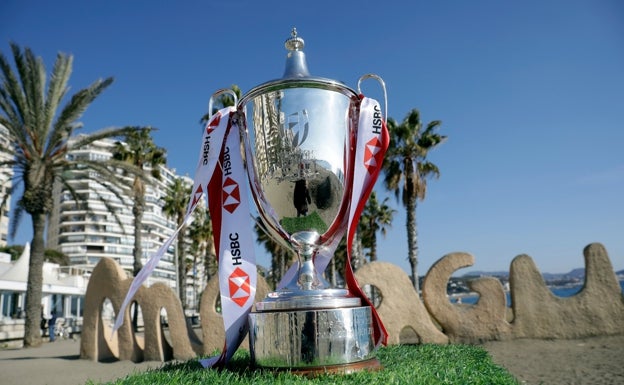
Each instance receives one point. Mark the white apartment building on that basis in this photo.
(87, 235)
(6, 175)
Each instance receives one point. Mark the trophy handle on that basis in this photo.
(383, 87)
(219, 93)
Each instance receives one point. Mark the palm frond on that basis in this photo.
(29, 81)
(12, 98)
(57, 88)
(79, 102)
(12, 115)
(99, 173)
(107, 133)
(393, 175)
(35, 96)
(8, 151)
(16, 218)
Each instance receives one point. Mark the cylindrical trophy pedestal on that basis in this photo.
(312, 341)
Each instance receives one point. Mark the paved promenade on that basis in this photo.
(59, 363)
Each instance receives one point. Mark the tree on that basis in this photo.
(15, 251)
(50, 255)
(42, 138)
(337, 269)
(138, 150)
(55, 256)
(375, 218)
(174, 206)
(281, 256)
(202, 242)
(406, 170)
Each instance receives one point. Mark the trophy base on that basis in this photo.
(337, 340)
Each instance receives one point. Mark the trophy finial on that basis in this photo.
(294, 43)
(296, 66)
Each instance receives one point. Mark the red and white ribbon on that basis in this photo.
(237, 261)
(371, 145)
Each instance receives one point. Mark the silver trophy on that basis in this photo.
(297, 134)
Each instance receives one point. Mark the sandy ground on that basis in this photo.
(595, 361)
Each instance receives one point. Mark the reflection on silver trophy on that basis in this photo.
(298, 136)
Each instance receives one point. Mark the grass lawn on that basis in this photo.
(403, 364)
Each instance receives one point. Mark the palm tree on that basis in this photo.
(42, 137)
(281, 257)
(337, 269)
(406, 171)
(376, 217)
(202, 242)
(174, 206)
(138, 149)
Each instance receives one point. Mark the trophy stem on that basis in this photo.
(308, 278)
(305, 245)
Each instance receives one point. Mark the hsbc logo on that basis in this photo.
(231, 195)
(240, 286)
(213, 124)
(197, 195)
(373, 155)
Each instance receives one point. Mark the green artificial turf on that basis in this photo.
(402, 364)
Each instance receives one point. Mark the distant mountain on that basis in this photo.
(577, 273)
(479, 273)
(574, 274)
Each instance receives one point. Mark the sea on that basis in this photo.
(560, 291)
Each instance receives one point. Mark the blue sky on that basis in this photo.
(530, 94)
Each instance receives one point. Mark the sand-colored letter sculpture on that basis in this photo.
(598, 309)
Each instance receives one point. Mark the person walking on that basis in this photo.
(52, 325)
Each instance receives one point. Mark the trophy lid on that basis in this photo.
(296, 65)
(296, 74)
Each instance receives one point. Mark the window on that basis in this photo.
(58, 304)
(77, 306)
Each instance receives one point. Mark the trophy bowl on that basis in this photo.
(297, 133)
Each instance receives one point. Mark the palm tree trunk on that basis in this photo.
(182, 269)
(137, 210)
(373, 248)
(32, 336)
(412, 241)
(275, 269)
(195, 305)
(207, 273)
(209, 253)
(357, 252)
